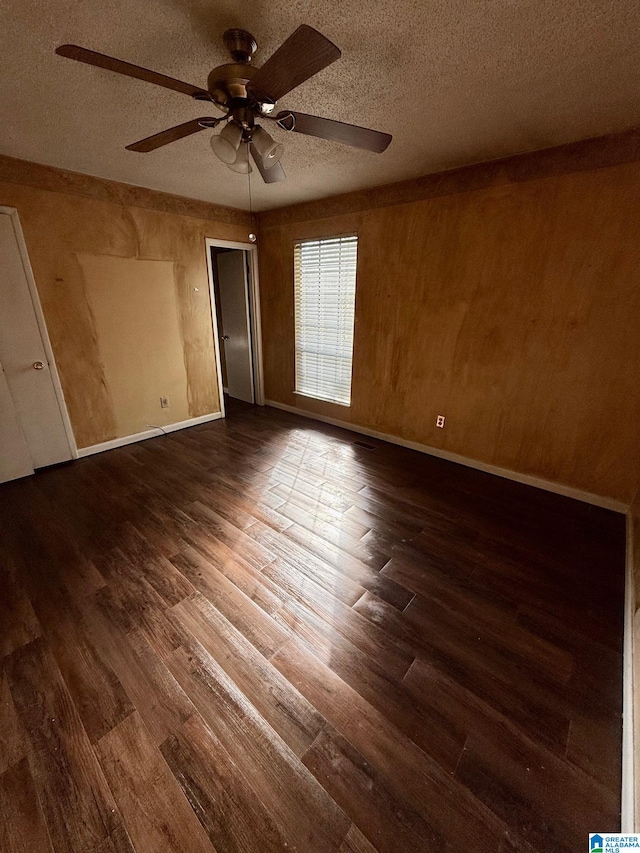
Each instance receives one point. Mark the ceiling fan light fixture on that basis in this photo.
(242, 163)
(269, 150)
(243, 94)
(227, 143)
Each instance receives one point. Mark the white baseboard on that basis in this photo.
(628, 818)
(526, 479)
(148, 433)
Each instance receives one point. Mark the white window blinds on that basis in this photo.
(325, 295)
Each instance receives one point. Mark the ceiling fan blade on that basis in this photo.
(172, 134)
(336, 131)
(100, 60)
(271, 175)
(301, 56)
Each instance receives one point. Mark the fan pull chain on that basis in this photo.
(252, 237)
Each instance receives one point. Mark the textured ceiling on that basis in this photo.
(455, 82)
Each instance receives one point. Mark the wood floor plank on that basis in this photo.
(554, 597)
(512, 843)
(502, 638)
(154, 693)
(118, 842)
(363, 574)
(251, 483)
(438, 735)
(326, 623)
(326, 494)
(12, 739)
(431, 576)
(388, 822)
(22, 825)
(390, 508)
(596, 668)
(133, 604)
(476, 665)
(246, 577)
(540, 802)
(290, 473)
(214, 499)
(170, 514)
(330, 577)
(532, 762)
(355, 842)
(158, 537)
(97, 693)
(233, 537)
(305, 510)
(280, 704)
(424, 780)
(19, 624)
(139, 556)
(158, 816)
(383, 614)
(589, 747)
(75, 798)
(51, 552)
(313, 460)
(384, 530)
(256, 625)
(302, 809)
(231, 814)
(236, 509)
(311, 586)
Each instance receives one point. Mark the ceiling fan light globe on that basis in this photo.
(225, 146)
(274, 156)
(269, 150)
(223, 150)
(241, 163)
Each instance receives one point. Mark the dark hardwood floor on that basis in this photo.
(257, 635)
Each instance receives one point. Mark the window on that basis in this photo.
(325, 296)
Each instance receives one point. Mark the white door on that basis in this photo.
(234, 309)
(26, 371)
(15, 459)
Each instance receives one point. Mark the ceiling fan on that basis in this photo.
(245, 93)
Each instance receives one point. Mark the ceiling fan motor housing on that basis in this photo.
(228, 82)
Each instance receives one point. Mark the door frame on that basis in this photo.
(255, 329)
(42, 327)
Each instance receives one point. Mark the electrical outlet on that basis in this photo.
(440, 421)
(164, 402)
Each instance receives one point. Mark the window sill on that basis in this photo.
(322, 399)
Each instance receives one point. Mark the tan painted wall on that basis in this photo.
(99, 266)
(513, 309)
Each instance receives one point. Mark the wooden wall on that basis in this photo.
(73, 224)
(512, 308)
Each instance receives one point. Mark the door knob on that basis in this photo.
(38, 365)
(225, 337)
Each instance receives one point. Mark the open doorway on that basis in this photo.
(235, 308)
